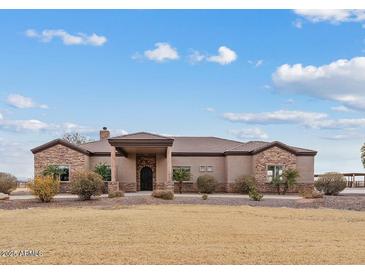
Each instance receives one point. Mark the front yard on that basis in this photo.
(183, 234)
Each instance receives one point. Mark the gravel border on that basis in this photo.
(344, 202)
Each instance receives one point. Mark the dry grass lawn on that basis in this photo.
(184, 234)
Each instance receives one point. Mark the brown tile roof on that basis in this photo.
(186, 145)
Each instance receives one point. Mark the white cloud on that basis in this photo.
(342, 81)
(162, 52)
(256, 63)
(340, 109)
(196, 57)
(19, 101)
(249, 133)
(280, 116)
(48, 35)
(298, 23)
(290, 101)
(225, 56)
(334, 16)
(210, 109)
(315, 120)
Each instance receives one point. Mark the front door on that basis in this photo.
(146, 178)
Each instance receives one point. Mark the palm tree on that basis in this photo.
(290, 177)
(180, 175)
(52, 171)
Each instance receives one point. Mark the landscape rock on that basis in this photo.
(4, 196)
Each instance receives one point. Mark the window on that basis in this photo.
(64, 173)
(273, 172)
(174, 168)
(209, 169)
(202, 168)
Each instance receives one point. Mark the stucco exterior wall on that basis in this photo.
(217, 162)
(235, 166)
(305, 166)
(61, 155)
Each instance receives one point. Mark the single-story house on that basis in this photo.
(144, 161)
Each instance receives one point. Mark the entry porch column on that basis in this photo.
(114, 184)
(169, 181)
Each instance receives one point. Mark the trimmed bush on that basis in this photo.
(255, 195)
(244, 183)
(116, 194)
(331, 183)
(206, 184)
(8, 182)
(86, 184)
(45, 187)
(163, 194)
(205, 196)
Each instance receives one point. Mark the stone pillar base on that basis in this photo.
(113, 186)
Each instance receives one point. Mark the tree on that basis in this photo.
(363, 154)
(277, 182)
(76, 138)
(104, 171)
(180, 175)
(290, 177)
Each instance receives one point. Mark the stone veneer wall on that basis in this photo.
(271, 156)
(60, 155)
(143, 160)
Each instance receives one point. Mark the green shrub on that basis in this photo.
(8, 183)
(206, 184)
(290, 177)
(104, 171)
(163, 194)
(244, 183)
(310, 193)
(116, 194)
(86, 184)
(45, 187)
(254, 194)
(331, 183)
(205, 196)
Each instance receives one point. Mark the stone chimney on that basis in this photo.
(104, 133)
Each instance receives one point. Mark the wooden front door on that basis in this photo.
(146, 178)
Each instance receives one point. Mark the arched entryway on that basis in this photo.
(146, 178)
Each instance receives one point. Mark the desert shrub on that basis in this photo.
(310, 193)
(244, 183)
(163, 194)
(8, 182)
(86, 184)
(205, 196)
(180, 175)
(116, 194)
(331, 183)
(206, 184)
(45, 187)
(104, 171)
(254, 194)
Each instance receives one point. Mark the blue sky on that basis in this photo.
(238, 74)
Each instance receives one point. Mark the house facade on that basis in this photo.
(145, 161)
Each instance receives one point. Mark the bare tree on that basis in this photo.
(76, 138)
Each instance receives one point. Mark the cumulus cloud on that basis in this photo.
(342, 81)
(315, 120)
(162, 52)
(334, 16)
(68, 39)
(19, 101)
(225, 56)
(249, 133)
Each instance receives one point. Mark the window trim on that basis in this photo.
(207, 168)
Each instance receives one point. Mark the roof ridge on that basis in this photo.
(141, 132)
